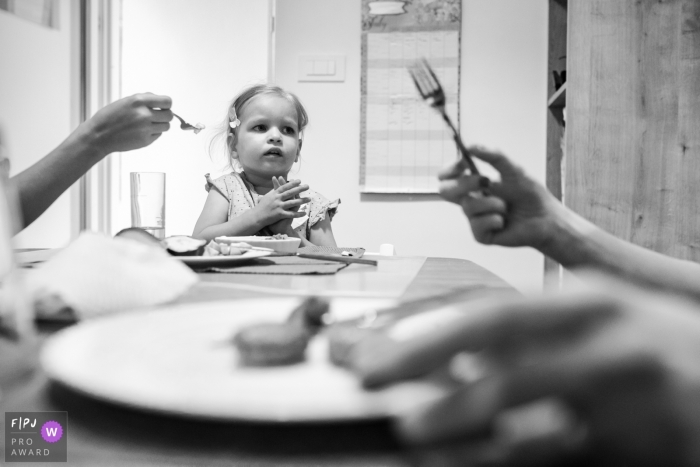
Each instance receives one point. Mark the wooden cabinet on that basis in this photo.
(632, 144)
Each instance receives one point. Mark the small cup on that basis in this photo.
(148, 202)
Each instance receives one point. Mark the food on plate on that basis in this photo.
(279, 243)
(269, 344)
(140, 235)
(310, 314)
(225, 249)
(342, 339)
(182, 245)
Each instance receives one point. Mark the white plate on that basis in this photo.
(220, 261)
(179, 360)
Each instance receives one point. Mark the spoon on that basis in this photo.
(186, 126)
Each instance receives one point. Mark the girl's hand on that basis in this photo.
(518, 211)
(282, 226)
(281, 203)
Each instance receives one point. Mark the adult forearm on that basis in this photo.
(42, 183)
(577, 243)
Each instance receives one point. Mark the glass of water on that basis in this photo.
(148, 202)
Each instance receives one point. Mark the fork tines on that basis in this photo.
(431, 91)
(427, 83)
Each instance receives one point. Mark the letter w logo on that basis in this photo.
(52, 432)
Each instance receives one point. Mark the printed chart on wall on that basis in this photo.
(404, 142)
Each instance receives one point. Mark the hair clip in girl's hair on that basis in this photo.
(234, 121)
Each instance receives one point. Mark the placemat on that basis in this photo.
(283, 265)
(331, 250)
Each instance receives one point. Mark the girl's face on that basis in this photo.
(268, 137)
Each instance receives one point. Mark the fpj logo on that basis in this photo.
(36, 436)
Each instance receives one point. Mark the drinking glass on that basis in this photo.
(148, 202)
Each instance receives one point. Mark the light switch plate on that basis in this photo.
(321, 68)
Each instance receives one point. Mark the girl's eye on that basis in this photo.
(259, 128)
(289, 130)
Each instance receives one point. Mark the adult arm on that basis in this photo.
(518, 211)
(609, 374)
(129, 123)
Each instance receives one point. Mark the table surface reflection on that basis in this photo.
(104, 434)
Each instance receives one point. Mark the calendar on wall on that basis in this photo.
(404, 142)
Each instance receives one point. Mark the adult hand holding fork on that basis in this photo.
(516, 211)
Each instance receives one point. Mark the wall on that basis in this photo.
(504, 63)
(35, 110)
(201, 53)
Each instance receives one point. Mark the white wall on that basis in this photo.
(504, 53)
(35, 110)
(201, 53)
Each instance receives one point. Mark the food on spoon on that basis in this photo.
(182, 245)
(310, 314)
(198, 127)
(269, 344)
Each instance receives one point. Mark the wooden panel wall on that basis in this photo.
(633, 120)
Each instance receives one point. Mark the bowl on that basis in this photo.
(285, 245)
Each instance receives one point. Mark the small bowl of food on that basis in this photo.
(278, 243)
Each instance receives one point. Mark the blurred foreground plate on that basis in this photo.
(220, 261)
(179, 360)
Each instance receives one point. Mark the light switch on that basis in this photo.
(321, 68)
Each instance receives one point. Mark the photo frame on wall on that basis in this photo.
(404, 142)
(42, 12)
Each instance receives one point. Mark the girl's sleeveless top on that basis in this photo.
(241, 196)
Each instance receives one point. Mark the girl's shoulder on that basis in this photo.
(319, 205)
(226, 185)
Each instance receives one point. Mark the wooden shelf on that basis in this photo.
(558, 99)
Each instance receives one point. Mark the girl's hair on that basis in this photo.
(229, 136)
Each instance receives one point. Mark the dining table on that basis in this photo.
(104, 433)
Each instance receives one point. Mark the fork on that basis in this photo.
(186, 126)
(431, 91)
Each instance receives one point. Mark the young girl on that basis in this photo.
(263, 137)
